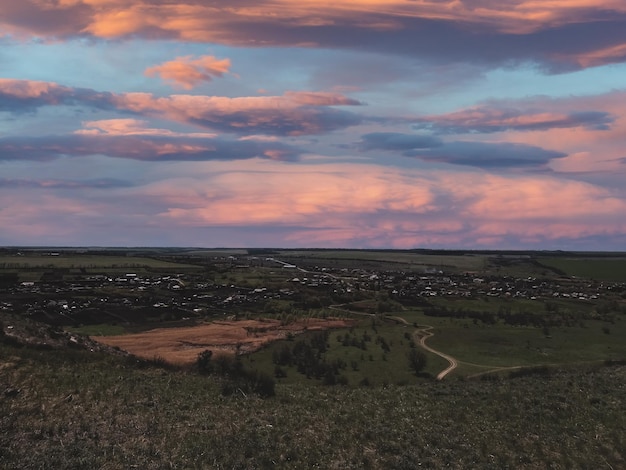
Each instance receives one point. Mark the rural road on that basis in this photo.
(422, 334)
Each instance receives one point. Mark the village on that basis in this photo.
(252, 285)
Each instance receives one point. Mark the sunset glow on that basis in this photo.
(360, 124)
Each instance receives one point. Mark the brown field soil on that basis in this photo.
(182, 345)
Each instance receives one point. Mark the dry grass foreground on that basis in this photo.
(182, 345)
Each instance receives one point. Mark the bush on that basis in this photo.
(203, 362)
(255, 382)
(279, 372)
(417, 360)
(264, 385)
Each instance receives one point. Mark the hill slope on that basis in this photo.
(74, 408)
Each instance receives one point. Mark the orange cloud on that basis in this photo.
(286, 22)
(24, 89)
(187, 72)
(367, 205)
(325, 205)
(292, 195)
(525, 199)
(198, 21)
(289, 23)
(122, 127)
(607, 55)
(194, 18)
(294, 113)
(591, 130)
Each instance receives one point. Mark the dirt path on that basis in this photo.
(422, 334)
(425, 331)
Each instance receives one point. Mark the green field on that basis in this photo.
(103, 329)
(83, 261)
(456, 263)
(373, 364)
(477, 347)
(601, 269)
(219, 252)
(503, 345)
(32, 266)
(518, 346)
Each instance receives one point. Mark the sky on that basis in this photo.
(460, 124)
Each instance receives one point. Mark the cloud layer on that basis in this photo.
(293, 113)
(559, 34)
(339, 205)
(363, 123)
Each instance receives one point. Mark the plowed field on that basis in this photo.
(182, 345)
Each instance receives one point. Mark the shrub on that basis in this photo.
(417, 360)
(264, 385)
(203, 362)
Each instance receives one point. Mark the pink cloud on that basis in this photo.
(294, 113)
(446, 28)
(32, 93)
(607, 55)
(366, 205)
(323, 205)
(187, 72)
(30, 88)
(195, 19)
(525, 199)
(590, 130)
(536, 114)
(128, 126)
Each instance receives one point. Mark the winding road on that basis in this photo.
(422, 334)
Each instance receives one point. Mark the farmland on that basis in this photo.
(182, 345)
(316, 326)
(604, 269)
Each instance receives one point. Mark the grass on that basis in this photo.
(374, 363)
(477, 347)
(444, 261)
(81, 410)
(103, 329)
(84, 261)
(514, 346)
(598, 269)
(501, 345)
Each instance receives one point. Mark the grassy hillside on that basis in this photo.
(69, 408)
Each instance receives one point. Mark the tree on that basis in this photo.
(417, 360)
(204, 363)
